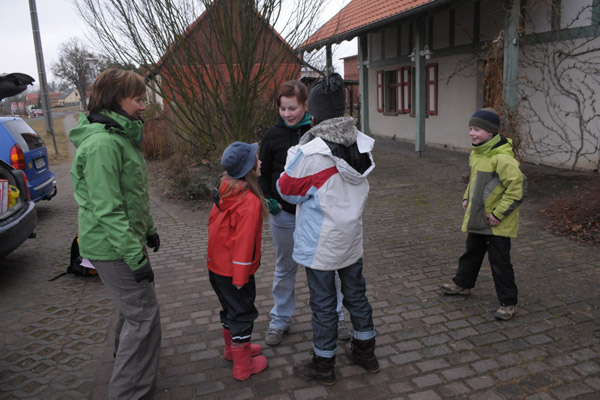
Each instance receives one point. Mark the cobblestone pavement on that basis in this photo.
(56, 337)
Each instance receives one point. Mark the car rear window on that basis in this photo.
(27, 138)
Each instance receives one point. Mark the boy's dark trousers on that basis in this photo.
(469, 264)
(238, 313)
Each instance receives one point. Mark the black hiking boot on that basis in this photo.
(363, 354)
(319, 369)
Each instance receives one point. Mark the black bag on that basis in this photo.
(75, 266)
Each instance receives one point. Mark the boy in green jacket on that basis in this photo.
(496, 189)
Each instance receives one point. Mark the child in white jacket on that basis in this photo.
(326, 176)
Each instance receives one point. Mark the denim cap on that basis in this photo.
(239, 158)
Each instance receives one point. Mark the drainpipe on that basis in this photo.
(420, 99)
(511, 63)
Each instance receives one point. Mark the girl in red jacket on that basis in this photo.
(234, 236)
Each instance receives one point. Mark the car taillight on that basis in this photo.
(26, 184)
(17, 157)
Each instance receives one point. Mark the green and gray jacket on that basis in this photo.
(496, 185)
(111, 188)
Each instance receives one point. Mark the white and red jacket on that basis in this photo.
(234, 234)
(327, 178)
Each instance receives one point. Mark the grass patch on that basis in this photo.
(62, 142)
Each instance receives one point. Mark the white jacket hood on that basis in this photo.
(340, 131)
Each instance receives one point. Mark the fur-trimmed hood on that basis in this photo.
(336, 130)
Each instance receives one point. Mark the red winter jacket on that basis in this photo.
(234, 234)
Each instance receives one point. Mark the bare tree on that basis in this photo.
(73, 66)
(216, 64)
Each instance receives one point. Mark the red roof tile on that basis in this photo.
(360, 13)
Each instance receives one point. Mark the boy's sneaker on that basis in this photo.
(453, 288)
(343, 331)
(275, 335)
(506, 312)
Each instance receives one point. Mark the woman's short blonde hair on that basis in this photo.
(112, 86)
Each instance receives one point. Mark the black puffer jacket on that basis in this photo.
(273, 153)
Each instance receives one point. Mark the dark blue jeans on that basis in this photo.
(323, 301)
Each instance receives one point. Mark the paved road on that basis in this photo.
(56, 337)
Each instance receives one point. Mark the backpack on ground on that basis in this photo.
(75, 266)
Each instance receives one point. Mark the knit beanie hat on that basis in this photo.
(239, 158)
(487, 119)
(327, 98)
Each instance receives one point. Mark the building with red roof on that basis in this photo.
(426, 65)
(33, 99)
(272, 53)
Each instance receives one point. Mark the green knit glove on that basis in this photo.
(273, 206)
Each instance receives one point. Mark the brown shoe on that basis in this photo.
(452, 288)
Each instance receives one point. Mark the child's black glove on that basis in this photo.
(153, 241)
(145, 271)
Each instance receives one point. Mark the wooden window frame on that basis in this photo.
(399, 91)
(431, 86)
(379, 85)
(404, 89)
(390, 96)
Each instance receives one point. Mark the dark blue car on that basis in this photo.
(24, 149)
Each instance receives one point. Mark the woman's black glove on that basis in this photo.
(145, 271)
(153, 241)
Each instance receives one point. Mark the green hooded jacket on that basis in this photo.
(496, 185)
(111, 188)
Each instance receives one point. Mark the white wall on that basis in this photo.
(457, 93)
(558, 104)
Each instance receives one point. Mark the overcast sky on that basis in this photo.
(59, 21)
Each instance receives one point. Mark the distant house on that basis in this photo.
(426, 65)
(70, 98)
(32, 100)
(18, 107)
(56, 99)
(352, 82)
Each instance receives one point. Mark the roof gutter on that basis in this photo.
(358, 31)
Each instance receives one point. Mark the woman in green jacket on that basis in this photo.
(115, 224)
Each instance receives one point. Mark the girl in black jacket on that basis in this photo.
(294, 120)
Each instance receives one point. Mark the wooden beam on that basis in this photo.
(363, 69)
